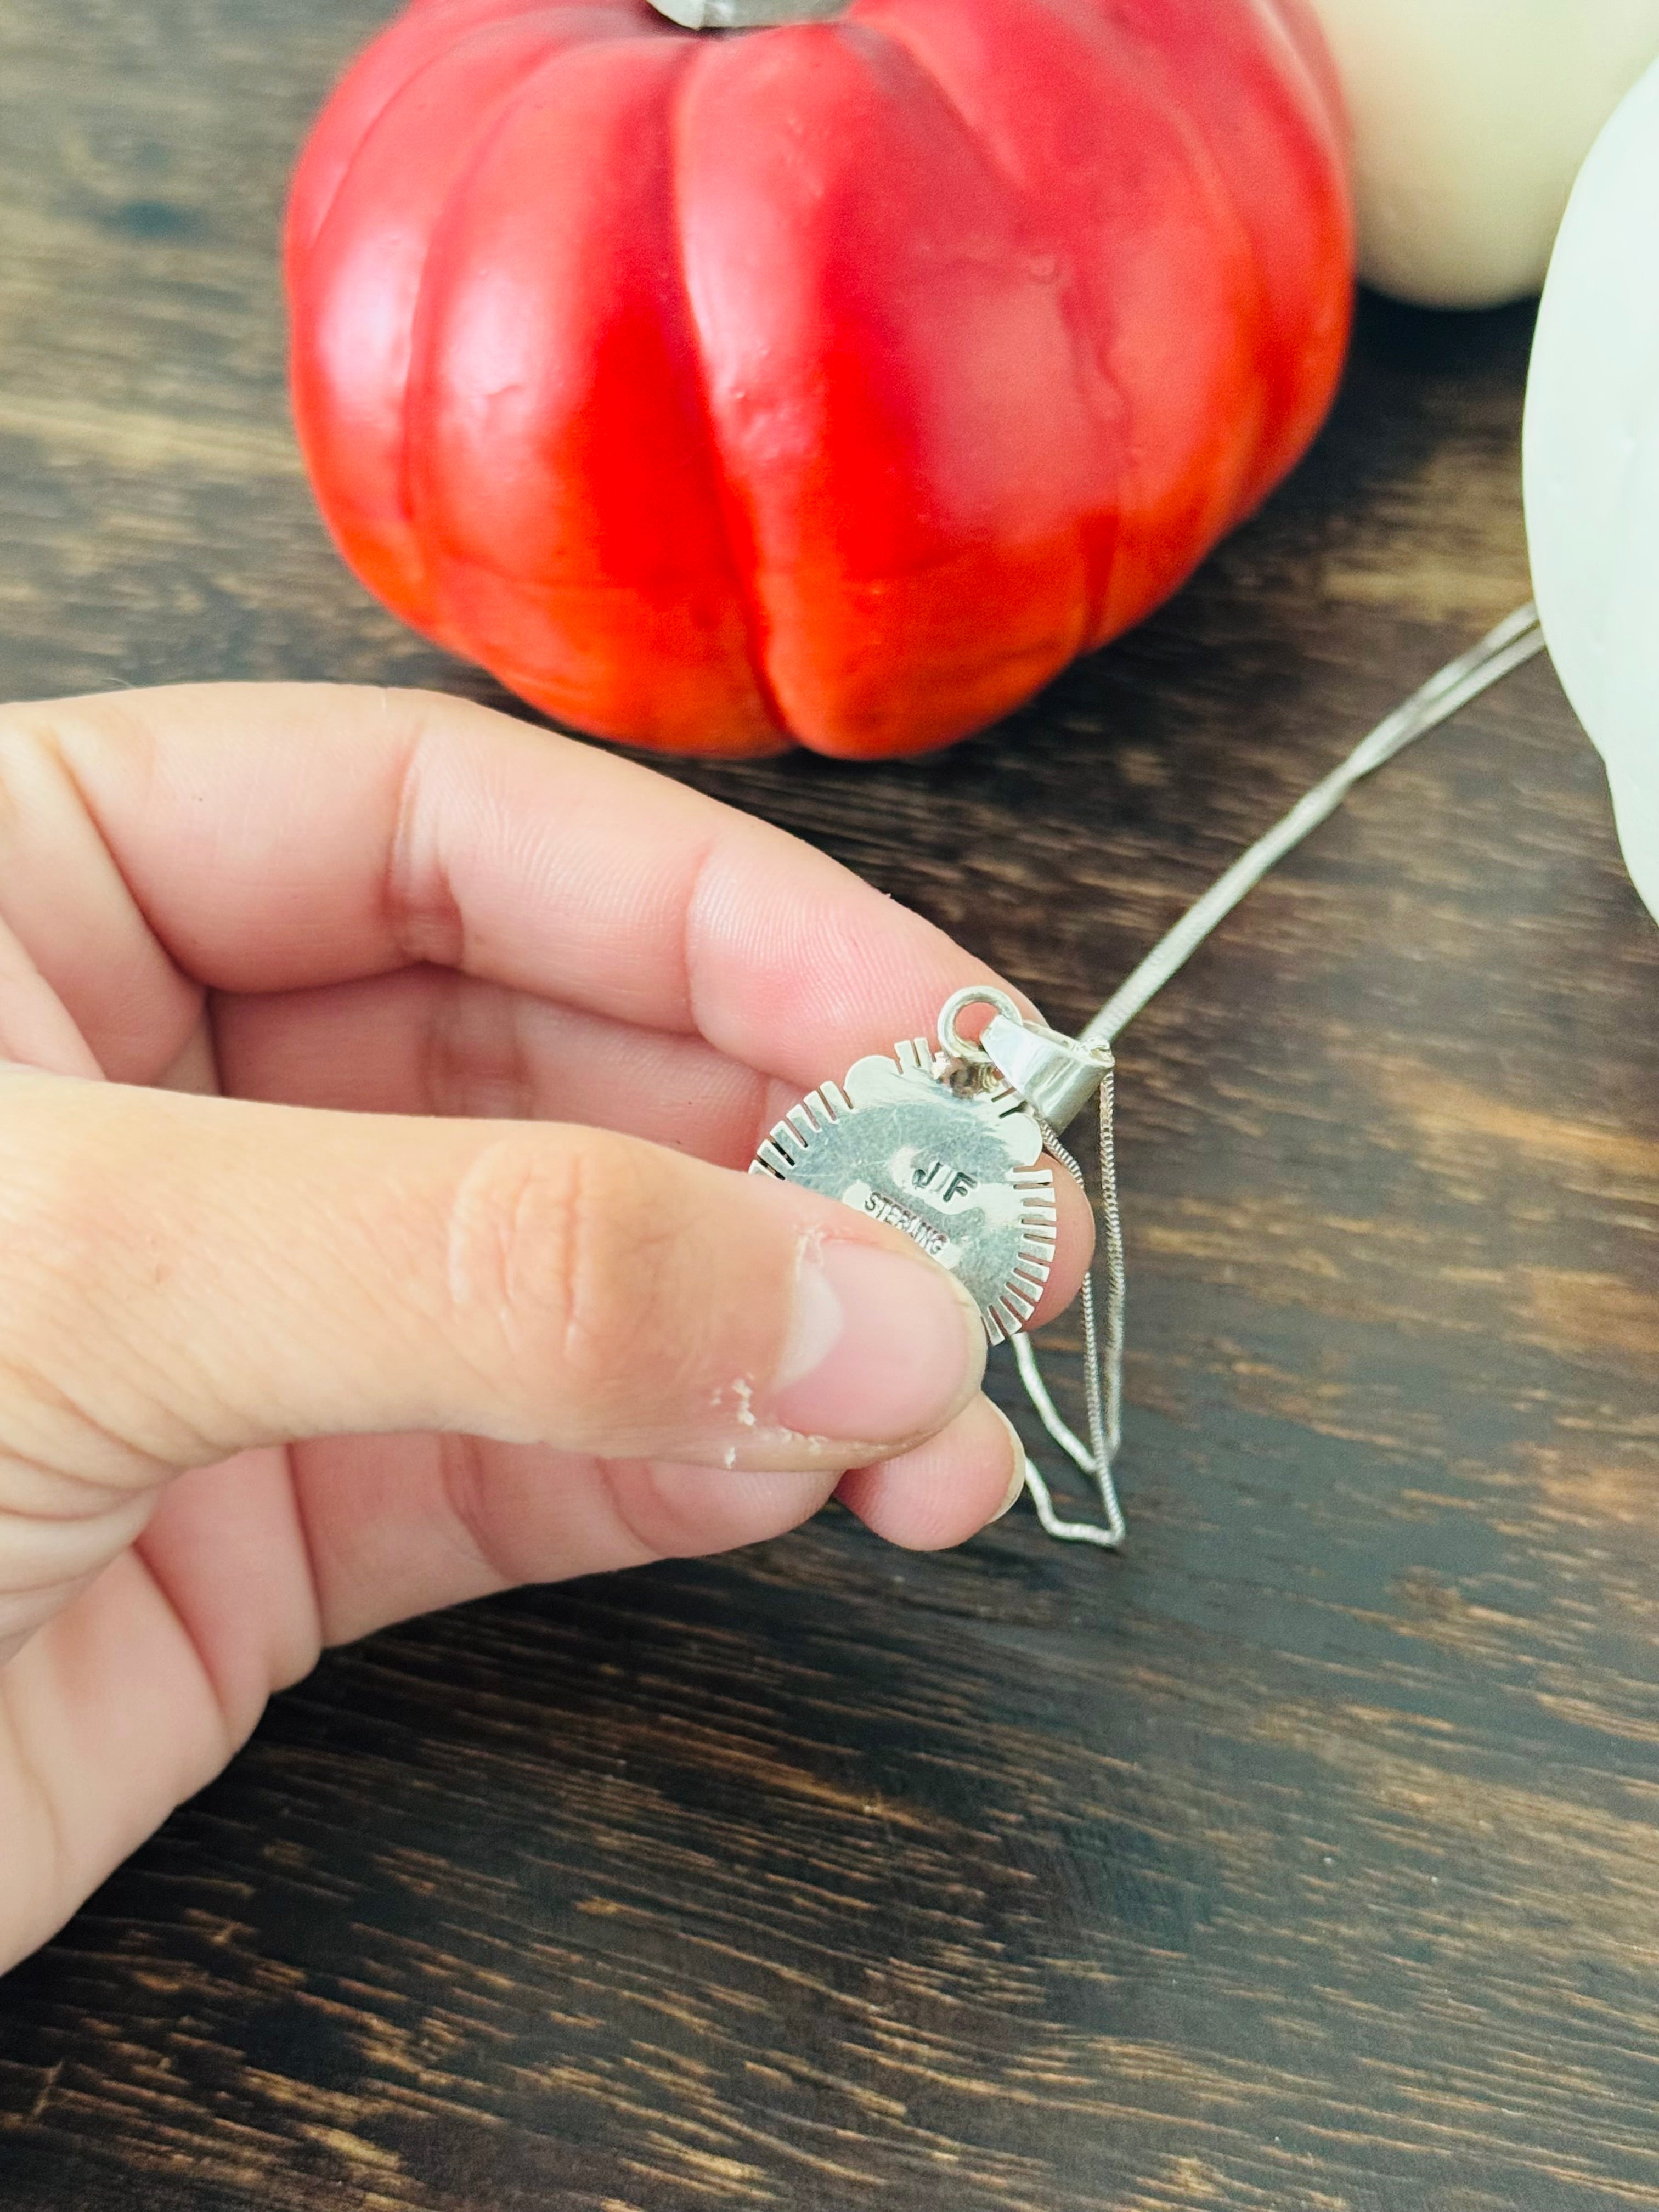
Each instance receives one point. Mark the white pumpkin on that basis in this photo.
(1470, 118)
(1590, 453)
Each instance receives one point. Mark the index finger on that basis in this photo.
(269, 837)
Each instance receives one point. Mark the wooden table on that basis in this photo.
(1307, 1857)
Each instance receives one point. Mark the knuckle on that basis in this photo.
(556, 1254)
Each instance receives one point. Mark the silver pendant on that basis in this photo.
(946, 1146)
(946, 1152)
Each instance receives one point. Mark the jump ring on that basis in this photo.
(976, 994)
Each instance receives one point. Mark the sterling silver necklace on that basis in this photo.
(947, 1142)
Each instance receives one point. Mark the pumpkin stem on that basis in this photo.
(744, 15)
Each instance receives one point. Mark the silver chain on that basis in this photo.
(1503, 650)
(1103, 1366)
(1507, 647)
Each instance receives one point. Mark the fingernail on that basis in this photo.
(1016, 1480)
(882, 1347)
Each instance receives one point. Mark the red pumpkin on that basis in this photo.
(837, 382)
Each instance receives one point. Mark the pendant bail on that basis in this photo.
(1055, 1075)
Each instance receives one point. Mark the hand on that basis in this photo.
(374, 1074)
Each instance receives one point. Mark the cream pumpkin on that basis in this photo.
(1470, 118)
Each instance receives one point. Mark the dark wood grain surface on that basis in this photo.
(1306, 1858)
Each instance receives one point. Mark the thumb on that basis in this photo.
(186, 1276)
